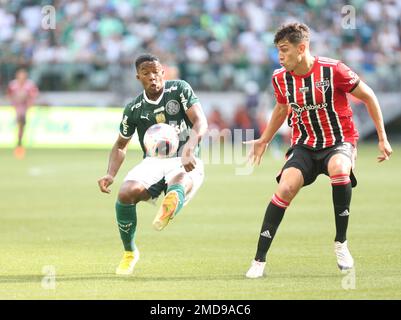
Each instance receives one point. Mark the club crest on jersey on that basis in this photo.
(160, 118)
(172, 107)
(322, 86)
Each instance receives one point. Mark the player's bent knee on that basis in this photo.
(179, 178)
(287, 191)
(290, 183)
(132, 193)
(183, 179)
(125, 197)
(339, 170)
(339, 164)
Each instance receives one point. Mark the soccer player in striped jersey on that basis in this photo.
(311, 92)
(22, 93)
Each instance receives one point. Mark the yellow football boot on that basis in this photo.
(166, 211)
(128, 262)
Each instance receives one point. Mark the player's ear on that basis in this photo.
(137, 76)
(301, 48)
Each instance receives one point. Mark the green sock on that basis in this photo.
(126, 220)
(181, 195)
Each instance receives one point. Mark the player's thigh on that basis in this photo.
(339, 164)
(341, 160)
(191, 180)
(291, 182)
(300, 167)
(133, 192)
(147, 173)
(184, 179)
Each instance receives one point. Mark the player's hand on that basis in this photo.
(105, 182)
(187, 158)
(258, 148)
(385, 150)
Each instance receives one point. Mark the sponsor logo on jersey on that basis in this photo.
(159, 109)
(160, 118)
(125, 124)
(172, 107)
(322, 86)
(354, 77)
(184, 100)
(172, 88)
(136, 106)
(304, 89)
(145, 117)
(298, 109)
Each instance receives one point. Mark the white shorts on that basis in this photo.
(155, 175)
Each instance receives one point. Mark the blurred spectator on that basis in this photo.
(171, 72)
(252, 97)
(242, 120)
(217, 126)
(215, 44)
(216, 121)
(281, 140)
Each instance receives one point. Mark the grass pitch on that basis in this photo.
(56, 225)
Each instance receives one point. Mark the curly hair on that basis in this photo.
(293, 32)
(145, 58)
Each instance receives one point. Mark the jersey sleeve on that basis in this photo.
(127, 124)
(33, 91)
(187, 96)
(345, 79)
(10, 89)
(277, 92)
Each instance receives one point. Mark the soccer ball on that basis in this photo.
(161, 141)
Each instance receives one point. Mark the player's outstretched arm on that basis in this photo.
(199, 127)
(116, 158)
(259, 146)
(366, 94)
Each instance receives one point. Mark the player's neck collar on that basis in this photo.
(155, 102)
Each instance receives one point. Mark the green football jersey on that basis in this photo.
(169, 108)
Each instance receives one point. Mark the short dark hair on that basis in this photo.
(294, 32)
(21, 68)
(144, 58)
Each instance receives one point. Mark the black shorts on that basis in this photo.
(156, 189)
(312, 163)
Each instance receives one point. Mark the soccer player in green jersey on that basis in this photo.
(172, 102)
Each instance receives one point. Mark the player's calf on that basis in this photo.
(341, 193)
(273, 216)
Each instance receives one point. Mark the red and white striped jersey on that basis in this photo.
(319, 113)
(22, 95)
